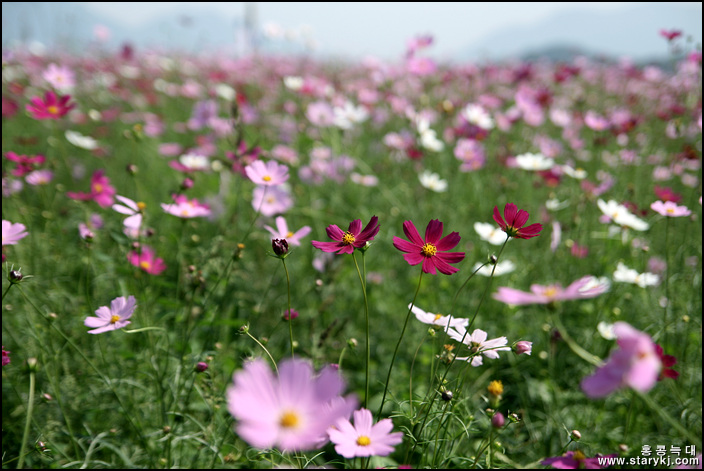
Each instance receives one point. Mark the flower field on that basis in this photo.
(218, 262)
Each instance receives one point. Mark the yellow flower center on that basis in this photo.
(289, 234)
(266, 178)
(363, 440)
(53, 109)
(289, 420)
(141, 206)
(428, 250)
(550, 292)
(579, 456)
(437, 316)
(145, 265)
(114, 318)
(348, 238)
(98, 188)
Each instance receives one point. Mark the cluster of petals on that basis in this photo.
(346, 241)
(433, 250)
(586, 287)
(12, 232)
(132, 209)
(364, 438)
(513, 221)
(52, 106)
(478, 344)
(147, 260)
(291, 412)
(112, 318)
(437, 320)
(623, 274)
(619, 214)
(670, 209)
(101, 191)
(184, 208)
(635, 364)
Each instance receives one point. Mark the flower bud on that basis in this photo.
(575, 435)
(522, 347)
(15, 276)
(498, 420)
(446, 396)
(201, 366)
(280, 247)
(290, 314)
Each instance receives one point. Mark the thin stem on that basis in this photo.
(366, 320)
(265, 350)
(398, 344)
(30, 410)
(288, 291)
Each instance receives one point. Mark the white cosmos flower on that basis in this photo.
(225, 92)
(293, 82)
(503, 267)
(428, 137)
(619, 214)
(490, 233)
(535, 162)
(195, 161)
(606, 330)
(348, 115)
(576, 173)
(437, 320)
(477, 115)
(624, 274)
(432, 181)
(79, 140)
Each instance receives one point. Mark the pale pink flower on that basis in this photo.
(271, 201)
(132, 209)
(39, 177)
(282, 232)
(12, 232)
(477, 343)
(635, 364)
(364, 438)
(112, 318)
(184, 208)
(585, 287)
(670, 209)
(267, 174)
(60, 77)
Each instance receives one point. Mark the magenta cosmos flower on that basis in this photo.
(147, 260)
(635, 363)
(112, 318)
(184, 208)
(291, 412)
(432, 251)
(585, 287)
(51, 107)
(364, 438)
(12, 232)
(101, 191)
(354, 238)
(268, 174)
(514, 221)
(670, 209)
(575, 460)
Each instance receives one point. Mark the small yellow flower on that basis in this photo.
(496, 388)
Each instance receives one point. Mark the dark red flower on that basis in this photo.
(432, 251)
(353, 238)
(668, 361)
(667, 194)
(515, 220)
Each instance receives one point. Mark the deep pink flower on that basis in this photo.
(585, 287)
(515, 220)
(147, 260)
(575, 460)
(291, 412)
(635, 363)
(664, 193)
(353, 238)
(101, 191)
(113, 317)
(5, 356)
(668, 361)
(432, 251)
(25, 164)
(51, 107)
(670, 34)
(364, 438)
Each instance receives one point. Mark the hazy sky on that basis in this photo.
(355, 28)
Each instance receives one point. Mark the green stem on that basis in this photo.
(288, 291)
(366, 320)
(265, 350)
(398, 344)
(30, 410)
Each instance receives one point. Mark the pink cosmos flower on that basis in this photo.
(39, 177)
(147, 260)
(432, 251)
(113, 317)
(51, 107)
(437, 320)
(665, 194)
(12, 232)
(364, 438)
(60, 77)
(185, 208)
(670, 209)
(133, 210)
(478, 343)
(5, 356)
(291, 412)
(575, 460)
(282, 232)
(515, 220)
(635, 363)
(268, 174)
(585, 287)
(25, 164)
(353, 238)
(101, 191)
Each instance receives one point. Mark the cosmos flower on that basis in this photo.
(536, 162)
(346, 241)
(267, 174)
(282, 232)
(432, 251)
(133, 211)
(101, 191)
(147, 260)
(112, 318)
(515, 220)
(184, 208)
(432, 181)
(477, 343)
(271, 200)
(51, 107)
(291, 412)
(490, 233)
(623, 274)
(576, 460)
(619, 214)
(670, 209)
(585, 287)
(437, 320)
(12, 232)
(364, 438)
(635, 364)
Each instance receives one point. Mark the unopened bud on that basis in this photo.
(575, 435)
(498, 420)
(201, 366)
(446, 396)
(280, 247)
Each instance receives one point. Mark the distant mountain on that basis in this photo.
(622, 32)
